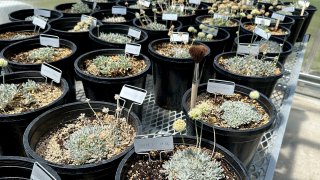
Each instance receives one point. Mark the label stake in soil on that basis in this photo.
(49, 71)
(3, 64)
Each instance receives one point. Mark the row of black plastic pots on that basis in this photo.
(242, 143)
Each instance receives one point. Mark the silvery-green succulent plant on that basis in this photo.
(7, 94)
(200, 111)
(44, 54)
(115, 38)
(80, 7)
(106, 65)
(156, 26)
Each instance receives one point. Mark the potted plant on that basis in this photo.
(186, 161)
(257, 73)
(76, 9)
(17, 31)
(239, 120)
(14, 167)
(273, 47)
(103, 4)
(30, 54)
(172, 69)
(83, 140)
(25, 95)
(28, 14)
(106, 17)
(214, 38)
(134, 6)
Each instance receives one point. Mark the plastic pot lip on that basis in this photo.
(22, 23)
(204, 16)
(64, 42)
(223, 150)
(170, 59)
(129, 13)
(280, 26)
(109, 2)
(219, 68)
(231, 131)
(99, 79)
(291, 21)
(290, 49)
(69, 19)
(34, 155)
(297, 11)
(131, 2)
(57, 8)
(135, 20)
(12, 14)
(65, 90)
(96, 39)
(310, 8)
(225, 32)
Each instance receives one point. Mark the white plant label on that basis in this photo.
(246, 48)
(262, 21)
(40, 173)
(262, 33)
(132, 48)
(145, 3)
(304, 3)
(220, 87)
(179, 37)
(51, 72)
(136, 33)
(281, 17)
(133, 93)
(49, 40)
(288, 9)
(195, 2)
(39, 22)
(220, 16)
(153, 144)
(42, 12)
(94, 5)
(169, 17)
(122, 10)
(94, 21)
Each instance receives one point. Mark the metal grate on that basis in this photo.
(158, 120)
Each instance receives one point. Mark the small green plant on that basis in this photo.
(7, 94)
(21, 36)
(43, 54)
(192, 163)
(156, 26)
(80, 7)
(237, 113)
(116, 19)
(205, 35)
(200, 110)
(83, 26)
(115, 38)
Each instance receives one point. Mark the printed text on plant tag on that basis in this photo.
(153, 144)
(133, 94)
(169, 17)
(262, 33)
(49, 40)
(245, 48)
(220, 16)
(94, 20)
(132, 48)
(136, 33)
(195, 2)
(278, 16)
(179, 37)
(262, 21)
(51, 72)
(39, 22)
(42, 12)
(288, 9)
(119, 10)
(220, 87)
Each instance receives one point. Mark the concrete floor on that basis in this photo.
(300, 152)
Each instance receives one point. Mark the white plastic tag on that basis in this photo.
(281, 17)
(42, 12)
(51, 72)
(304, 3)
(132, 48)
(263, 21)
(122, 10)
(246, 48)
(220, 16)
(220, 87)
(195, 2)
(179, 37)
(288, 9)
(262, 33)
(133, 32)
(39, 22)
(143, 144)
(169, 17)
(145, 3)
(133, 93)
(40, 173)
(94, 20)
(49, 40)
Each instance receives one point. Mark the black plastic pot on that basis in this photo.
(21, 15)
(14, 167)
(65, 64)
(216, 47)
(231, 30)
(286, 49)
(297, 26)
(202, 9)
(127, 3)
(242, 143)
(44, 123)
(100, 15)
(264, 85)
(311, 10)
(287, 22)
(102, 5)
(64, 6)
(19, 26)
(231, 160)
(61, 28)
(171, 77)
(284, 36)
(116, 28)
(103, 88)
(12, 126)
